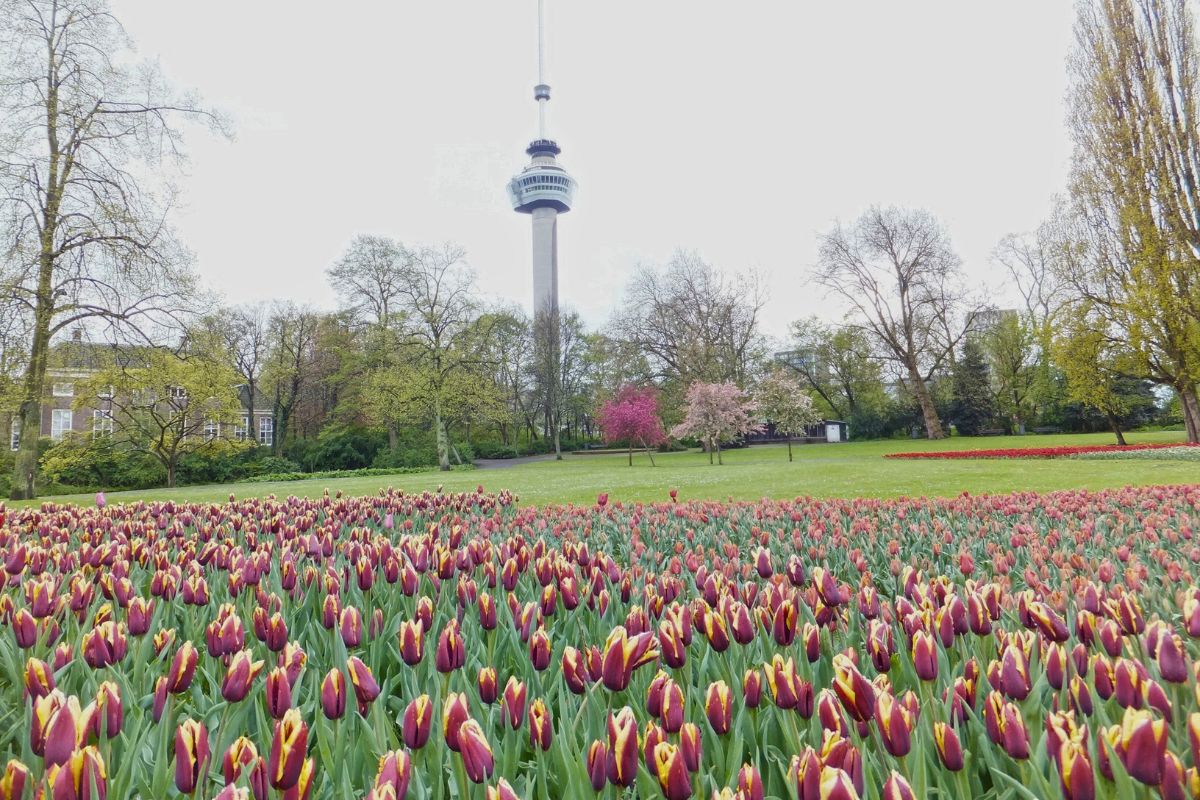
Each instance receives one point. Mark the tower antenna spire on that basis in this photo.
(541, 92)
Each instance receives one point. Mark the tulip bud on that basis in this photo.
(108, 715)
(333, 694)
(454, 713)
(894, 725)
(502, 791)
(896, 788)
(1172, 659)
(278, 693)
(239, 676)
(350, 625)
(690, 746)
(512, 707)
(672, 772)
(539, 649)
(66, 731)
(541, 731)
(622, 748)
(394, 772)
(451, 649)
(718, 706)
(12, 782)
(191, 755)
(83, 777)
(574, 669)
(925, 656)
(948, 747)
(366, 689)
(672, 706)
(1075, 770)
(597, 765)
(183, 669)
(752, 688)
(417, 722)
(412, 642)
(855, 691)
(488, 688)
(288, 747)
(476, 752)
(39, 678)
(240, 755)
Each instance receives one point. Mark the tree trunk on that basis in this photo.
(708, 445)
(24, 484)
(251, 420)
(443, 444)
(1115, 422)
(557, 445)
(933, 425)
(393, 435)
(719, 461)
(789, 441)
(171, 473)
(631, 454)
(649, 454)
(1191, 413)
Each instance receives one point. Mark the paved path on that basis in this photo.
(503, 463)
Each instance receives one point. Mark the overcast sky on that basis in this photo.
(740, 130)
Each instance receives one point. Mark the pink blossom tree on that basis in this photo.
(716, 411)
(632, 416)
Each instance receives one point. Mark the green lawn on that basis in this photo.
(855, 469)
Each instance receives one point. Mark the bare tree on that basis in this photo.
(898, 273)
(288, 369)
(85, 140)
(693, 322)
(370, 277)
(243, 332)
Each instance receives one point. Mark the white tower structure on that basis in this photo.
(543, 190)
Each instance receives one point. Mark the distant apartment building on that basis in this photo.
(75, 362)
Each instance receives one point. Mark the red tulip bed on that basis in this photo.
(1038, 452)
(460, 646)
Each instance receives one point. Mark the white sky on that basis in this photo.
(738, 129)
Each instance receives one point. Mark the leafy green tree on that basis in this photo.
(974, 406)
(166, 405)
(780, 399)
(838, 365)
(1012, 357)
(1134, 250)
(1096, 364)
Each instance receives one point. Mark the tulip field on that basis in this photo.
(458, 645)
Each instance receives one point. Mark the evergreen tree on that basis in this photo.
(974, 405)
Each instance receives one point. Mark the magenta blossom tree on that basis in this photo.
(716, 411)
(632, 416)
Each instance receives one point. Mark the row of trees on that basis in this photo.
(91, 142)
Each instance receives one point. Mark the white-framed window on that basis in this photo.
(60, 422)
(239, 431)
(62, 389)
(106, 393)
(102, 423)
(212, 429)
(14, 434)
(144, 398)
(266, 430)
(178, 393)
